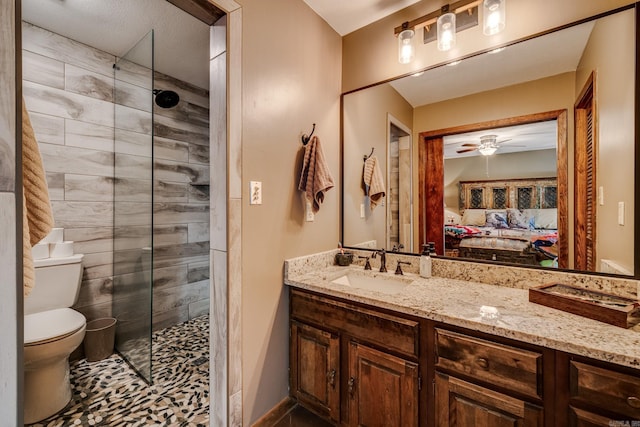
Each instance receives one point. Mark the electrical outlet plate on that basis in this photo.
(255, 189)
(309, 215)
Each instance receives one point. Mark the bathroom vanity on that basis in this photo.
(445, 352)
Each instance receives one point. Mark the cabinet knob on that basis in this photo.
(331, 376)
(482, 362)
(352, 385)
(633, 401)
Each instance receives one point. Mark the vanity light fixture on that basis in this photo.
(406, 50)
(446, 25)
(494, 16)
(443, 24)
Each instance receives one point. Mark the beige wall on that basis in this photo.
(610, 53)
(370, 53)
(530, 164)
(551, 93)
(366, 126)
(291, 79)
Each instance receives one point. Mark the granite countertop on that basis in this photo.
(458, 302)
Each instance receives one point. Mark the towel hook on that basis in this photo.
(305, 138)
(370, 154)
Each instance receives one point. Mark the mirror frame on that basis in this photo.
(636, 179)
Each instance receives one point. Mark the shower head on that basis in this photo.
(166, 98)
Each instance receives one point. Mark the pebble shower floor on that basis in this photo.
(110, 393)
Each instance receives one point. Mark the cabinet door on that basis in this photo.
(383, 389)
(581, 418)
(315, 373)
(462, 404)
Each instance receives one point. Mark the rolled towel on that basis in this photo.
(37, 216)
(315, 178)
(373, 181)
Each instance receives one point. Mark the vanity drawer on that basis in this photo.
(505, 366)
(388, 331)
(606, 389)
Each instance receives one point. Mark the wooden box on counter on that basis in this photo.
(601, 306)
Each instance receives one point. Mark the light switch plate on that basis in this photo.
(620, 213)
(601, 195)
(361, 210)
(255, 192)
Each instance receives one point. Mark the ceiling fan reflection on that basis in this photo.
(487, 146)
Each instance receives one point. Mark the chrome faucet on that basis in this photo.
(383, 259)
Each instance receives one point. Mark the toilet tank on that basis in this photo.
(57, 284)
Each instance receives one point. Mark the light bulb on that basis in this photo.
(447, 31)
(406, 51)
(494, 16)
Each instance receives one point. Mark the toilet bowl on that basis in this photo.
(52, 330)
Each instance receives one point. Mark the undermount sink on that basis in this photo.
(380, 282)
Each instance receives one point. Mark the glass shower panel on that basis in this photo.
(133, 205)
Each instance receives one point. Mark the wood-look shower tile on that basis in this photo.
(97, 265)
(130, 95)
(87, 188)
(95, 311)
(138, 167)
(199, 154)
(173, 129)
(55, 184)
(164, 319)
(40, 69)
(133, 190)
(198, 271)
(177, 260)
(51, 45)
(169, 277)
(164, 191)
(199, 308)
(180, 213)
(49, 129)
(185, 112)
(188, 92)
(168, 170)
(134, 120)
(88, 135)
(132, 143)
(199, 194)
(85, 82)
(131, 237)
(74, 160)
(95, 291)
(170, 234)
(134, 73)
(82, 214)
(133, 213)
(169, 298)
(170, 149)
(198, 232)
(57, 102)
(90, 239)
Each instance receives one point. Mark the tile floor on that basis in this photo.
(110, 393)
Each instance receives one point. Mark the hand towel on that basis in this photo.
(36, 208)
(373, 181)
(315, 178)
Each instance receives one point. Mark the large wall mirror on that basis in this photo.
(524, 155)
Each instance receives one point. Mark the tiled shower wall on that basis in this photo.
(69, 92)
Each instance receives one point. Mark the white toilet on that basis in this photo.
(52, 330)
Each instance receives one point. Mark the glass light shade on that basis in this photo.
(446, 31)
(406, 51)
(494, 16)
(487, 151)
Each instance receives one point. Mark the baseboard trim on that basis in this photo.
(276, 413)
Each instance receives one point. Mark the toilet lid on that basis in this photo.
(51, 324)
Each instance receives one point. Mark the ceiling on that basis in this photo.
(346, 16)
(115, 26)
(511, 139)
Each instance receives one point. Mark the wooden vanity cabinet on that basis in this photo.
(483, 383)
(353, 365)
(599, 394)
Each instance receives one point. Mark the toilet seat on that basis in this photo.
(51, 325)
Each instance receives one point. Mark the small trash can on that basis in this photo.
(99, 338)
